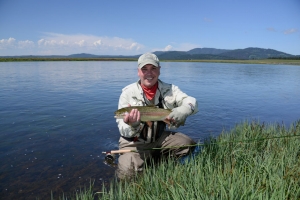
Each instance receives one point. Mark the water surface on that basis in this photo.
(57, 117)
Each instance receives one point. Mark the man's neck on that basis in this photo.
(150, 92)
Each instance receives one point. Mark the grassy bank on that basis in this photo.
(62, 59)
(264, 61)
(252, 161)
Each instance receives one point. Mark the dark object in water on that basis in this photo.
(110, 160)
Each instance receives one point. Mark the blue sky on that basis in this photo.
(131, 27)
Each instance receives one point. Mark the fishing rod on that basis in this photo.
(112, 152)
(118, 151)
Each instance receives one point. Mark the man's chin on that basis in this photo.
(149, 84)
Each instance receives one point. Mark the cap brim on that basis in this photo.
(147, 62)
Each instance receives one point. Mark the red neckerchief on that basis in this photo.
(150, 92)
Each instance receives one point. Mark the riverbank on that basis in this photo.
(252, 161)
(264, 61)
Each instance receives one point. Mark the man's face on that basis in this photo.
(149, 75)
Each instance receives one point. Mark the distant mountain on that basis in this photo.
(182, 55)
(254, 53)
(193, 54)
(211, 51)
(222, 54)
(170, 55)
(82, 55)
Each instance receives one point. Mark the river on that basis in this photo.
(57, 117)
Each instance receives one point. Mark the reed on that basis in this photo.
(252, 161)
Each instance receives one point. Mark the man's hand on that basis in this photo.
(133, 118)
(178, 115)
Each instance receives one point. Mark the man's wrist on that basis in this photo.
(135, 125)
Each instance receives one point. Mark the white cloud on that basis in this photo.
(188, 46)
(178, 47)
(90, 43)
(97, 43)
(11, 40)
(61, 44)
(81, 43)
(168, 48)
(7, 43)
(52, 42)
(40, 41)
(290, 31)
(11, 43)
(134, 46)
(26, 44)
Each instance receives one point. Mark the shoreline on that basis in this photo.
(263, 61)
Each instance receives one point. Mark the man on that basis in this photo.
(142, 136)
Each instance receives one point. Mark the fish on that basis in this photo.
(147, 113)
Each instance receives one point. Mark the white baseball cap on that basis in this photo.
(148, 58)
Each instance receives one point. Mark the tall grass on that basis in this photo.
(252, 161)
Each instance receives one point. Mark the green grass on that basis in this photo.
(244, 163)
(32, 59)
(259, 61)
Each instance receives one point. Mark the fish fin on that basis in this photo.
(151, 106)
(167, 121)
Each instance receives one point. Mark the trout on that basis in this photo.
(147, 113)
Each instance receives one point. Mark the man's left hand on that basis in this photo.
(178, 115)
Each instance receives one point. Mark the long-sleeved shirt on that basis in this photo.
(133, 95)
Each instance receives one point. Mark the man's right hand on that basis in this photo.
(133, 118)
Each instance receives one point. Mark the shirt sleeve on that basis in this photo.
(182, 99)
(125, 129)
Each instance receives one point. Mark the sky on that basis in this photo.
(133, 27)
